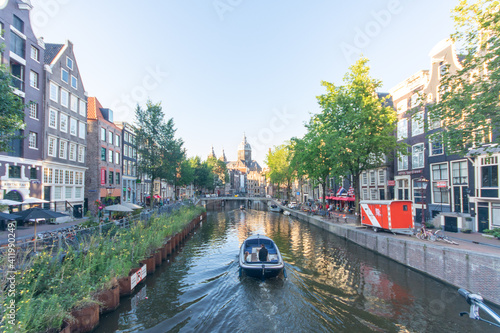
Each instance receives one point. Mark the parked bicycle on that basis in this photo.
(440, 236)
(476, 303)
(425, 234)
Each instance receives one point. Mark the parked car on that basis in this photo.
(293, 205)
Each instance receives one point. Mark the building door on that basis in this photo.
(460, 199)
(483, 218)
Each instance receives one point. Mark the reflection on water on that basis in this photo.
(332, 286)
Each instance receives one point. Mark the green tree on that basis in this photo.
(11, 112)
(469, 98)
(356, 125)
(159, 150)
(203, 177)
(280, 171)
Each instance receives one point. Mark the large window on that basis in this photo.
(63, 145)
(103, 154)
(381, 177)
(417, 155)
(74, 82)
(72, 126)
(459, 173)
(64, 122)
(17, 72)
(52, 118)
(33, 140)
(81, 154)
(14, 171)
(117, 157)
(110, 156)
(117, 178)
(83, 108)
(33, 110)
(72, 151)
(402, 162)
(402, 106)
(439, 173)
(69, 63)
(373, 178)
(111, 177)
(364, 178)
(35, 53)
(117, 140)
(74, 103)
(82, 131)
(34, 79)
(417, 123)
(110, 137)
(17, 44)
(402, 129)
(419, 191)
(403, 189)
(54, 92)
(436, 146)
(489, 176)
(103, 134)
(64, 98)
(18, 24)
(52, 147)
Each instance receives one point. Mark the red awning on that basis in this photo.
(342, 198)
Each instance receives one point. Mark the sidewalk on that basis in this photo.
(28, 231)
(469, 242)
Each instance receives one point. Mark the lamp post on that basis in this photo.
(423, 186)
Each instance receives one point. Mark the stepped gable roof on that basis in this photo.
(51, 51)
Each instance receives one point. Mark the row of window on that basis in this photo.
(110, 178)
(373, 178)
(128, 137)
(76, 127)
(67, 192)
(129, 151)
(62, 177)
(65, 150)
(111, 137)
(67, 100)
(107, 155)
(129, 168)
(15, 172)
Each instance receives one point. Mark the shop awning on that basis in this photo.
(342, 198)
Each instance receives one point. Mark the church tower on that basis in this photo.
(212, 153)
(223, 156)
(244, 150)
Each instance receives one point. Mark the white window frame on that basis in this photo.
(74, 80)
(63, 149)
(381, 177)
(103, 134)
(402, 162)
(81, 154)
(72, 151)
(414, 100)
(402, 106)
(418, 157)
(35, 53)
(33, 109)
(403, 129)
(51, 146)
(69, 63)
(63, 124)
(110, 137)
(54, 92)
(364, 178)
(117, 140)
(73, 103)
(417, 123)
(73, 126)
(83, 108)
(117, 157)
(373, 178)
(431, 148)
(110, 156)
(33, 140)
(34, 79)
(64, 98)
(82, 130)
(52, 120)
(434, 181)
(63, 74)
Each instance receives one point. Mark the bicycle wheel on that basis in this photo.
(432, 237)
(420, 235)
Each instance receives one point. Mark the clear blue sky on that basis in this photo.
(224, 67)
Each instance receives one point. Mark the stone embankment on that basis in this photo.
(475, 268)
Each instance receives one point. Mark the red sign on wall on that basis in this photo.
(103, 176)
(391, 183)
(442, 184)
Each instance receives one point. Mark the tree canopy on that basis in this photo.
(469, 98)
(11, 111)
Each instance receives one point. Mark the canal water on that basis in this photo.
(332, 286)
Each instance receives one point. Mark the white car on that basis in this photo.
(292, 205)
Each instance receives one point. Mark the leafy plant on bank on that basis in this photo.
(53, 285)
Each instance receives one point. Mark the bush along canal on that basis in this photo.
(67, 291)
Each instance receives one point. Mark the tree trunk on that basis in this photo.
(324, 192)
(151, 193)
(355, 184)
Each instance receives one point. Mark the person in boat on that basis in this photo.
(263, 253)
(248, 257)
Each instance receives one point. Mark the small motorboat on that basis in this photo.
(274, 208)
(252, 266)
(287, 213)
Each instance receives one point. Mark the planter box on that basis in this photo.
(150, 263)
(85, 319)
(158, 259)
(109, 299)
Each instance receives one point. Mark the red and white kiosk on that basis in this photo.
(392, 215)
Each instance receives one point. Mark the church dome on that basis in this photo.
(244, 145)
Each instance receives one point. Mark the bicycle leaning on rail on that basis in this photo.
(476, 303)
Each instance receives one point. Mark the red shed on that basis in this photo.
(393, 215)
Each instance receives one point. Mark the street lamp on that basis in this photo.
(423, 186)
